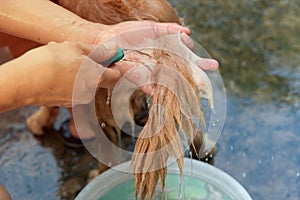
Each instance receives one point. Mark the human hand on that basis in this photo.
(90, 76)
(94, 33)
(135, 32)
(51, 71)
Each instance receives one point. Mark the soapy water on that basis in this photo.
(177, 187)
(191, 189)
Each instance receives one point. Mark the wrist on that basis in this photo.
(86, 32)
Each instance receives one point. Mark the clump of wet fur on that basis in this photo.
(153, 146)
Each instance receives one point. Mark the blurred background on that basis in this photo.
(257, 44)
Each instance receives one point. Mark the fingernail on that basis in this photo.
(214, 64)
(111, 47)
(148, 89)
(187, 31)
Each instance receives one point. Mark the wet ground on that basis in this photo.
(257, 44)
(39, 167)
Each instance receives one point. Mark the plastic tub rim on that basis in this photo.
(116, 175)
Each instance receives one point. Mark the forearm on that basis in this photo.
(9, 98)
(39, 20)
(16, 84)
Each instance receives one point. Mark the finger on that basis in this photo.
(187, 40)
(104, 52)
(207, 64)
(87, 48)
(109, 78)
(138, 75)
(95, 75)
(169, 28)
(148, 89)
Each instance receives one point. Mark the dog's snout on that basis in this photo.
(143, 104)
(141, 118)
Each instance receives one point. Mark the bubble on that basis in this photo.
(298, 174)
(244, 175)
(259, 161)
(231, 148)
(102, 124)
(272, 157)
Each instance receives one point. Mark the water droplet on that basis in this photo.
(272, 157)
(214, 124)
(231, 147)
(244, 175)
(211, 156)
(206, 159)
(181, 187)
(102, 124)
(259, 161)
(191, 157)
(298, 174)
(244, 154)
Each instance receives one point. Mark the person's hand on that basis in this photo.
(48, 75)
(94, 33)
(135, 32)
(63, 62)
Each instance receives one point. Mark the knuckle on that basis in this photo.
(52, 43)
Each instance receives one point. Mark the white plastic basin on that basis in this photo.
(201, 181)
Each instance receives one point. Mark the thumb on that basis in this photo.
(138, 74)
(208, 64)
(104, 52)
(109, 78)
